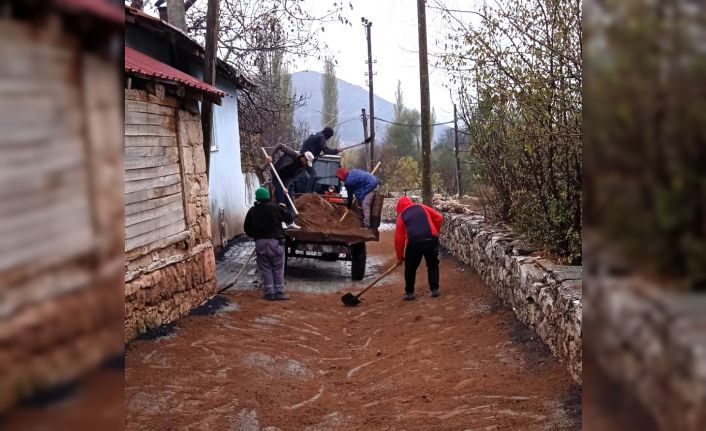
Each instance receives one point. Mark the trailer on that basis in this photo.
(333, 246)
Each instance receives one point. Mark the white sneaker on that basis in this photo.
(284, 225)
(293, 226)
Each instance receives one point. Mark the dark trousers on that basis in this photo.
(311, 179)
(279, 193)
(413, 257)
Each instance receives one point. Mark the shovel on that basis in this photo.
(368, 139)
(242, 268)
(350, 300)
(274, 171)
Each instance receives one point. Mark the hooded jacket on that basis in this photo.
(316, 143)
(415, 222)
(359, 183)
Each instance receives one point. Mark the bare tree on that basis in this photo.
(261, 38)
(518, 74)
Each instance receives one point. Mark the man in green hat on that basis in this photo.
(263, 223)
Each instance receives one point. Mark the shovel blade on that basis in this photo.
(350, 300)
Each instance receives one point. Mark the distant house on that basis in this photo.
(230, 194)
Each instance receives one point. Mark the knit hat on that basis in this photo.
(262, 194)
(309, 158)
(341, 173)
(327, 132)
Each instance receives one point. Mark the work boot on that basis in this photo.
(293, 225)
(409, 297)
(270, 296)
(281, 296)
(435, 293)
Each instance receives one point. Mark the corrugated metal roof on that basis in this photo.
(143, 64)
(100, 8)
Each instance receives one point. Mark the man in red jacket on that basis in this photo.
(417, 236)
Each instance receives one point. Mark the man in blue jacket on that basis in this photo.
(316, 145)
(361, 184)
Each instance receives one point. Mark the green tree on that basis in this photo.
(443, 164)
(329, 90)
(402, 175)
(402, 139)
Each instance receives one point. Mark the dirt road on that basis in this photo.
(461, 361)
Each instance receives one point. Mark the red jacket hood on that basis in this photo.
(404, 203)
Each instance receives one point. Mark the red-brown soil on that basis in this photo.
(316, 214)
(461, 361)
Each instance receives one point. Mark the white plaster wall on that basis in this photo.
(227, 186)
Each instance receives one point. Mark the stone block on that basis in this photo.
(199, 162)
(187, 154)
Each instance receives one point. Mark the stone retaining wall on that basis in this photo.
(652, 342)
(388, 210)
(543, 295)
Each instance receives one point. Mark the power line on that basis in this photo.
(411, 125)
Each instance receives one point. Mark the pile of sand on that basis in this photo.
(316, 214)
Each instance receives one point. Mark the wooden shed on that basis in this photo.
(169, 260)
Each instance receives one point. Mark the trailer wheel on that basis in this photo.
(358, 258)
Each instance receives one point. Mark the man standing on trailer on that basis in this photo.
(316, 145)
(417, 236)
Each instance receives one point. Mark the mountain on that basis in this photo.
(351, 99)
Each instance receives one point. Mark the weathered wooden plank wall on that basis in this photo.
(43, 169)
(154, 202)
(60, 254)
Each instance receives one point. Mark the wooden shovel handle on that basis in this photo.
(383, 275)
(274, 171)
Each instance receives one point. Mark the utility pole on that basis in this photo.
(209, 76)
(458, 161)
(367, 24)
(425, 108)
(364, 117)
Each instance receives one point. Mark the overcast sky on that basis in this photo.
(395, 47)
(394, 44)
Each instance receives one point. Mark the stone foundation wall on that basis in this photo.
(652, 341)
(169, 293)
(388, 210)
